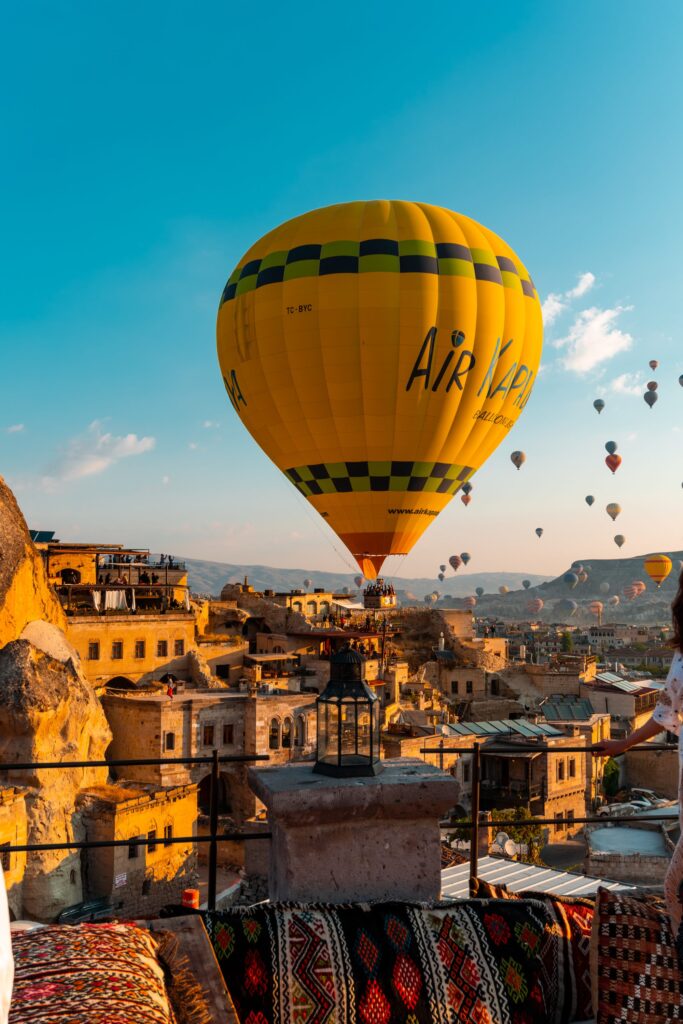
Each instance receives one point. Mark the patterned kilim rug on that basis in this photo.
(479, 961)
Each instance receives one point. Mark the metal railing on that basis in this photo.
(213, 838)
(475, 822)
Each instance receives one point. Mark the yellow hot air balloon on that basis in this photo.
(379, 352)
(658, 568)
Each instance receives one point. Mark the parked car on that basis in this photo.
(652, 799)
(616, 810)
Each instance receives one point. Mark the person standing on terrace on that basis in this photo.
(667, 715)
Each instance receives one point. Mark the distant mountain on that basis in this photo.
(653, 606)
(211, 577)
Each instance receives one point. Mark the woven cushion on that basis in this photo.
(572, 918)
(637, 977)
(88, 974)
(474, 961)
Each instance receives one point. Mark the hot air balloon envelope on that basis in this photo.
(526, 584)
(620, 540)
(598, 405)
(358, 580)
(455, 561)
(466, 556)
(614, 600)
(441, 577)
(658, 568)
(613, 510)
(653, 364)
(379, 354)
(535, 605)
(613, 462)
(652, 385)
(571, 579)
(589, 499)
(539, 531)
(650, 397)
(604, 587)
(479, 591)
(611, 447)
(471, 602)
(503, 590)
(518, 459)
(442, 568)
(466, 487)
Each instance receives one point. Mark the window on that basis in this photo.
(168, 834)
(72, 877)
(228, 733)
(146, 886)
(312, 608)
(133, 850)
(274, 735)
(178, 647)
(495, 687)
(287, 733)
(5, 856)
(94, 650)
(139, 648)
(117, 650)
(169, 741)
(152, 840)
(207, 735)
(300, 731)
(572, 767)
(559, 822)
(570, 819)
(466, 770)
(559, 770)
(454, 686)
(162, 648)
(468, 686)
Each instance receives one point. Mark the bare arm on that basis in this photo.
(612, 748)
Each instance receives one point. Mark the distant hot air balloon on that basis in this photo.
(613, 510)
(345, 590)
(357, 382)
(571, 579)
(566, 606)
(471, 602)
(614, 600)
(577, 566)
(620, 540)
(652, 385)
(583, 576)
(640, 586)
(358, 580)
(479, 591)
(441, 577)
(589, 499)
(518, 459)
(526, 584)
(588, 568)
(596, 608)
(466, 556)
(604, 587)
(630, 592)
(503, 590)
(466, 499)
(442, 568)
(534, 605)
(650, 397)
(653, 364)
(539, 531)
(611, 447)
(466, 487)
(455, 561)
(308, 583)
(598, 405)
(658, 568)
(613, 462)
(429, 599)
(680, 380)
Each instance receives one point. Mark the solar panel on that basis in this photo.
(42, 536)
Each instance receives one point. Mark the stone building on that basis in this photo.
(139, 879)
(13, 831)
(576, 717)
(194, 723)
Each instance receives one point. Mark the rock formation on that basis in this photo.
(25, 593)
(48, 712)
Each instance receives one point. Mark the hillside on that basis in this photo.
(210, 577)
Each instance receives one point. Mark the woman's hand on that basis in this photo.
(609, 748)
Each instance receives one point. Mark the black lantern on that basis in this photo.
(348, 720)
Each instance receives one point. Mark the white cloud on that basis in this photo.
(557, 302)
(210, 424)
(583, 285)
(165, 480)
(594, 338)
(627, 384)
(92, 452)
(16, 428)
(193, 446)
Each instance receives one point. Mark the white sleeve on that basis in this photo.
(6, 959)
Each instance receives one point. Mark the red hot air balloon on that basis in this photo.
(466, 499)
(613, 462)
(534, 606)
(471, 602)
(630, 592)
(596, 608)
(455, 561)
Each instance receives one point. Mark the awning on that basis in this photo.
(271, 657)
(351, 606)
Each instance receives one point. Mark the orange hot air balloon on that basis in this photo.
(596, 608)
(613, 462)
(379, 352)
(534, 606)
(658, 568)
(471, 602)
(466, 499)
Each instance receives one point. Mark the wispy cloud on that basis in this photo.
(92, 453)
(165, 480)
(627, 384)
(193, 446)
(557, 302)
(210, 424)
(16, 428)
(593, 338)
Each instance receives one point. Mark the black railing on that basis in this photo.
(501, 746)
(213, 838)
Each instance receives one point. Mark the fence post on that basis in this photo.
(213, 829)
(474, 832)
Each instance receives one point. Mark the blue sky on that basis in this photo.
(146, 146)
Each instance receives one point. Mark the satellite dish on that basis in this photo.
(501, 839)
(511, 848)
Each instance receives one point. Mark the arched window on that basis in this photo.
(324, 607)
(312, 608)
(287, 732)
(274, 734)
(297, 607)
(278, 649)
(300, 731)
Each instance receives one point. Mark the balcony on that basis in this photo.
(111, 599)
(496, 795)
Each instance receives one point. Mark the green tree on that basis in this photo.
(567, 644)
(527, 833)
(610, 778)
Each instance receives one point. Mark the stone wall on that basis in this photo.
(14, 831)
(657, 769)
